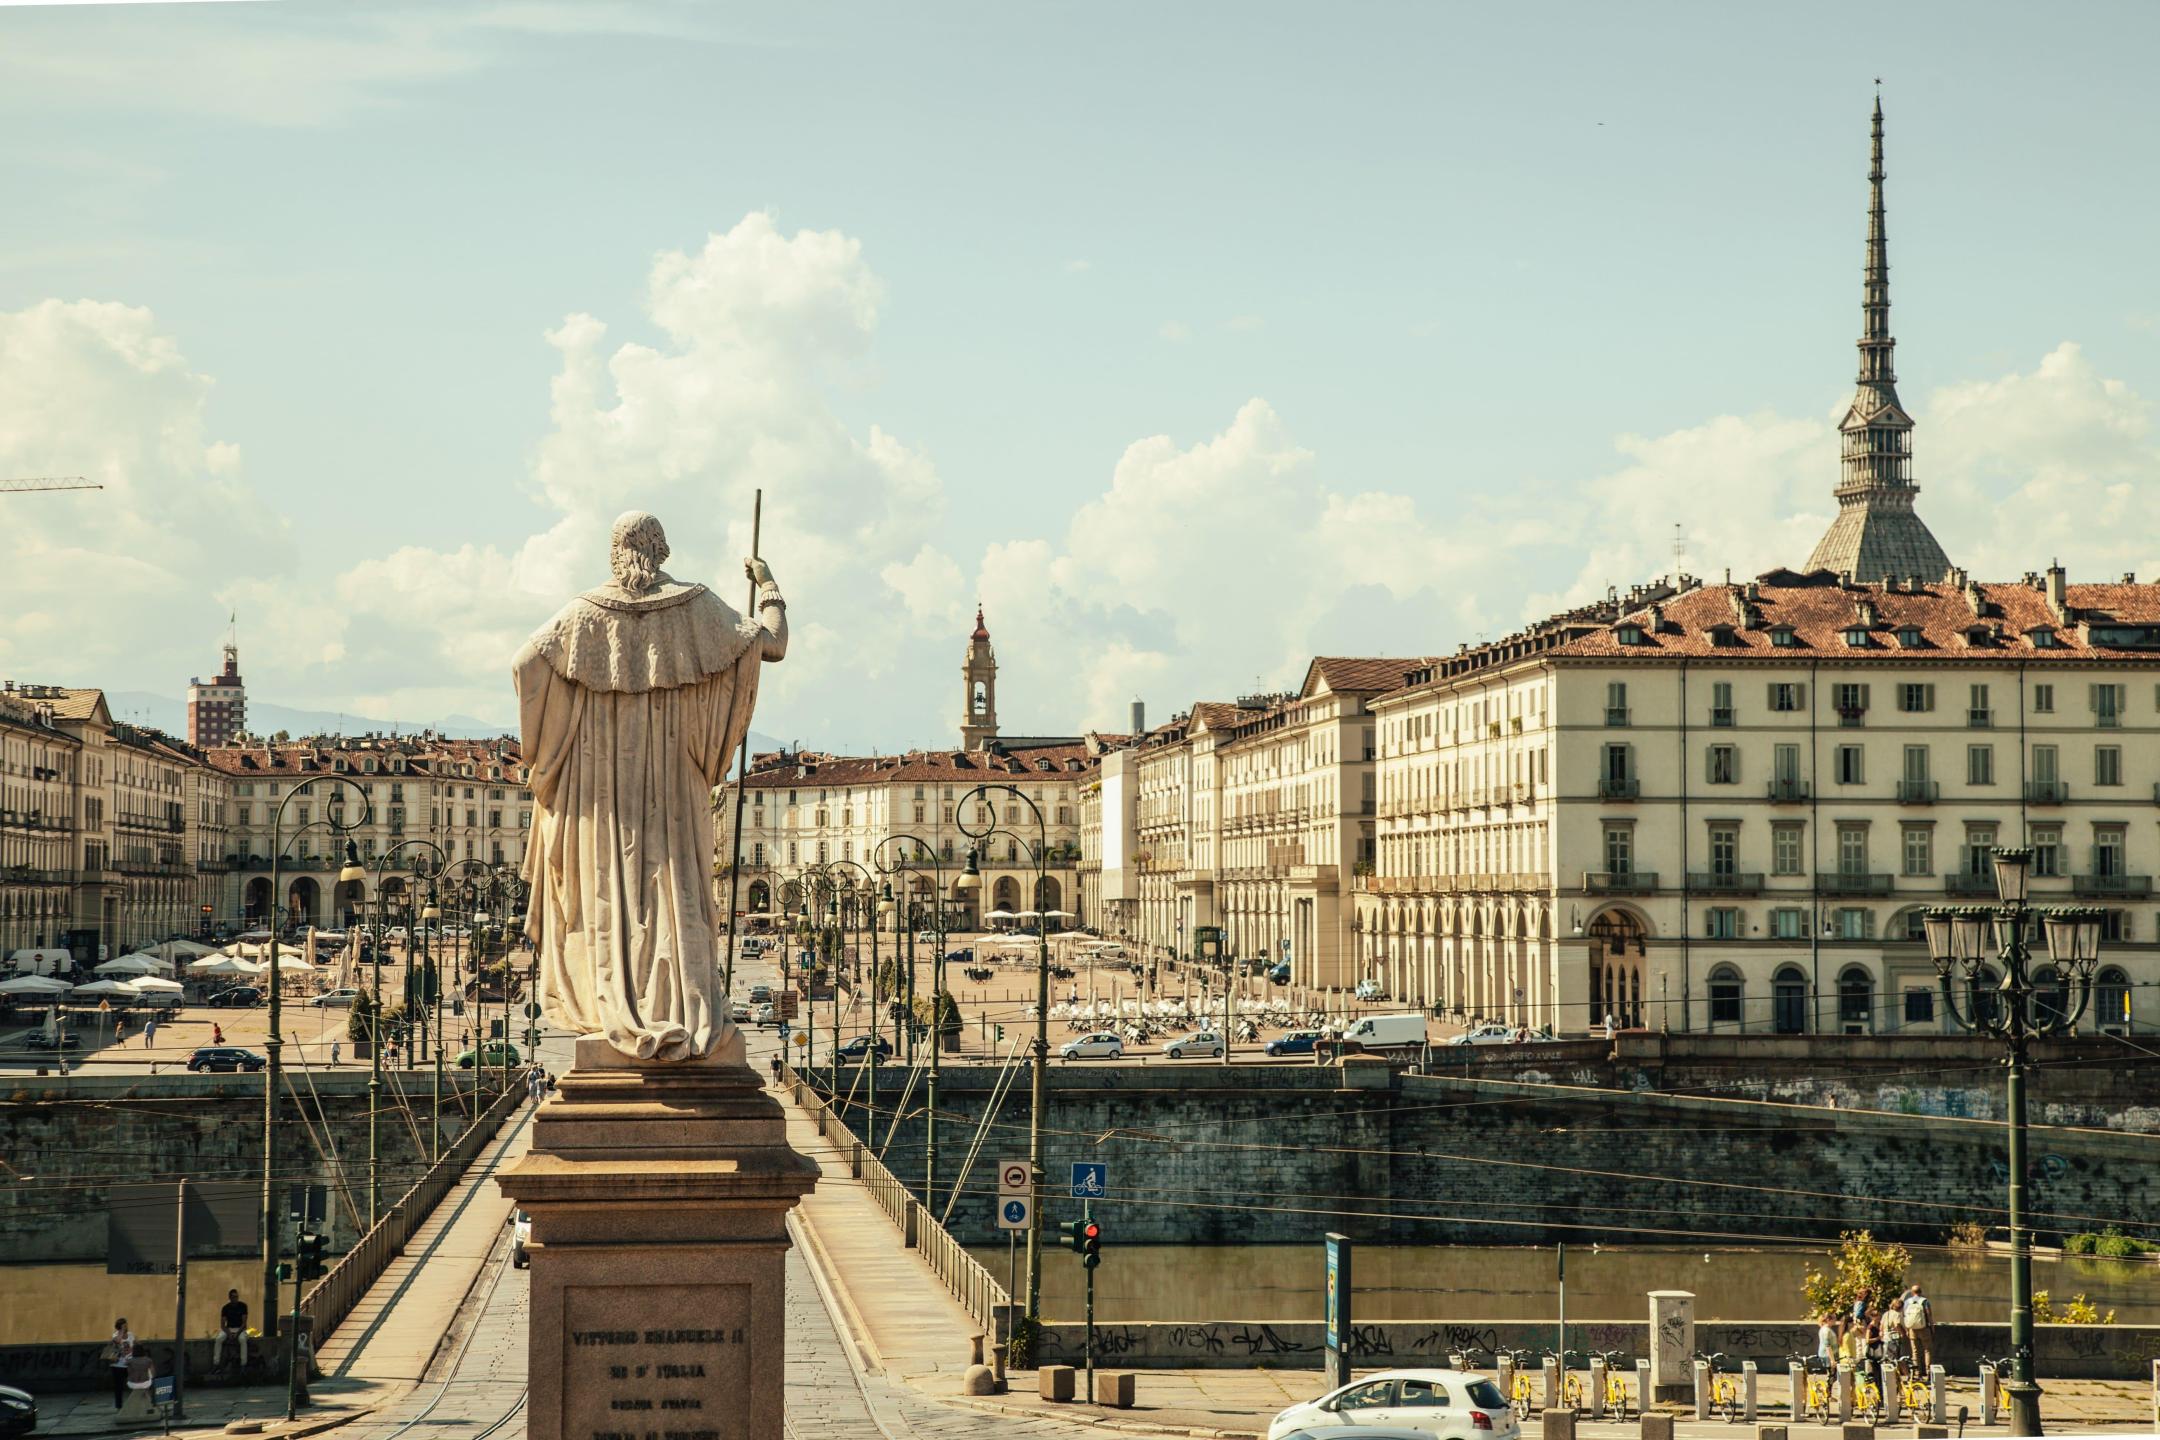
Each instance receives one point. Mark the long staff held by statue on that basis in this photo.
(742, 774)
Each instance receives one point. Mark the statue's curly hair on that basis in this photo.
(636, 552)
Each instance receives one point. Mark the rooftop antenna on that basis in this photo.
(1679, 550)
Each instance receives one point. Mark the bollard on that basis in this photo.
(1939, 1394)
(1114, 1389)
(2156, 1395)
(1796, 1377)
(1702, 1390)
(1658, 1426)
(1747, 1390)
(1990, 1394)
(1597, 1387)
(1642, 1386)
(1455, 1360)
(1055, 1383)
(1771, 1432)
(1557, 1424)
(1892, 1400)
(1931, 1432)
(1552, 1382)
(1856, 1432)
(1505, 1364)
(1844, 1393)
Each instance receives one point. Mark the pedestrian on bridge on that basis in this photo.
(149, 1035)
(334, 1048)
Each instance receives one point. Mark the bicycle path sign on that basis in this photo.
(1090, 1180)
(1013, 1212)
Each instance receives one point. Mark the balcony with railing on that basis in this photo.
(1616, 716)
(2111, 887)
(1725, 882)
(1966, 883)
(1619, 882)
(1918, 792)
(2046, 792)
(1618, 787)
(1788, 790)
(1980, 719)
(1853, 882)
(1722, 717)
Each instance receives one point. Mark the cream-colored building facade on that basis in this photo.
(40, 852)
(1725, 807)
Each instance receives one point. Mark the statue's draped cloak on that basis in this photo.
(631, 708)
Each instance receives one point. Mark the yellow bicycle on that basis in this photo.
(1867, 1398)
(1822, 1397)
(1617, 1402)
(1522, 1393)
(1724, 1389)
(1914, 1397)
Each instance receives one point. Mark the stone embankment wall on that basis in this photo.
(67, 1138)
(1248, 1154)
(2089, 1352)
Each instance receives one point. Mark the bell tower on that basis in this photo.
(978, 712)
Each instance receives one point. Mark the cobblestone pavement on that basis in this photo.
(479, 1390)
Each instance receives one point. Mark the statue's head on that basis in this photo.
(636, 552)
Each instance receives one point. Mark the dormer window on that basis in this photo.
(2043, 637)
(1856, 637)
(1723, 636)
(1909, 636)
(1784, 636)
(1630, 635)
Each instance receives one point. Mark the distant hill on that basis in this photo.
(162, 712)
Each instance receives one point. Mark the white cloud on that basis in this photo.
(1078, 267)
(1175, 331)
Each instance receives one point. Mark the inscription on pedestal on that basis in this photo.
(655, 1362)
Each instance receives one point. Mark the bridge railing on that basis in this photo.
(333, 1297)
(978, 1292)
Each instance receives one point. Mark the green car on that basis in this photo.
(494, 1054)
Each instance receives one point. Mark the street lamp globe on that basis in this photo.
(351, 872)
(971, 878)
(2013, 867)
(2073, 938)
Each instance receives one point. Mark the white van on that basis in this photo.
(1384, 1032)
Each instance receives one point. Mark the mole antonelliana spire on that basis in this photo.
(1876, 535)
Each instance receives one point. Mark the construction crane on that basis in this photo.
(48, 482)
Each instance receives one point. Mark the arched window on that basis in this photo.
(1727, 997)
(1856, 1001)
(1789, 1002)
(2111, 1001)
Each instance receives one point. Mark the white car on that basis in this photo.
(1486, 1035)
(520, 1237)
(1445, 1403)
(341, 999)
(1100, 1046)
(1205, 1044)
(763, 1014)
(1369, 990)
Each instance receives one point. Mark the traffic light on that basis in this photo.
(311, 1257)
(1069, 1234)
(284, 1271)
(1091, 1244)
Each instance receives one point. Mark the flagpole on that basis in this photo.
(742, 774)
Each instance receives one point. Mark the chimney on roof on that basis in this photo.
(1139, 718)
(2058, 592)
(2129, 577)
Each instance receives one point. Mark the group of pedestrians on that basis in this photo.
(1898, 1329)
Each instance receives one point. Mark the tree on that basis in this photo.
(1861, 1264)
(360, 1024)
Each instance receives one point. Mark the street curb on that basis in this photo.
(1079, 1414)
(854, 1333)
(271, 1426)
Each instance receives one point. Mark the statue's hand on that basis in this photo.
(759, 572)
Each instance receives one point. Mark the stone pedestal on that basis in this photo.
(659, 1198)
(1672, 1346)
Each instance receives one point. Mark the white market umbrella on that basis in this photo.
(1059, 914)
(223, 965)
(1001, 915)
(34, 985)
(1029, 915)
(288, 961)
(137, 964)
(98, 989)
(177, 950)
(151, 984)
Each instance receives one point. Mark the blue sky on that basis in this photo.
(1191, 339)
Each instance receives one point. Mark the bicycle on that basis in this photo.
(1724, 1389)
(1522, 1393)
(1914, 1397)
(1867, 1398)
(1616, 1391)
(1571, 1381)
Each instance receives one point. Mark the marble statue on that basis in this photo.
(632, 702)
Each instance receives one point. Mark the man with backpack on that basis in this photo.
(1919, 1328)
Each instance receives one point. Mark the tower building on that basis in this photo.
(978, 715)
(217, 707)
(1877, 536)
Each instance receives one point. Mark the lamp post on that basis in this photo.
(909, 867)
(820, 897)
(375, 1031)
(274, 1042)
(486, 882)
(1038, 1079)
(1958, 940)
(848, 897)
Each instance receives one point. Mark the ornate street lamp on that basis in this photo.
(1958, 940)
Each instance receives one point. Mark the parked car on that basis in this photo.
(1449, 1404)
(1353, 1432)
(1383, 1032)
(48, 1040)
(859, 1048)
(520, 1235)
(1370, 990)
(1201, 1044)
(1487, 1034)
(1294, 1042)
(760, 994)
(763, 1014)
(335, 999)
(1279, 974)
(739, 1013)
(240, 997)
(1102, 1045)
(18, 1411)
(496, 1053)
(224, 1057)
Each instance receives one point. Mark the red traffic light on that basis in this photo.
(1091, 1231)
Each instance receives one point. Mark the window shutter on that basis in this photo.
(1800, 696)
(1930, 689)
(1770, 696)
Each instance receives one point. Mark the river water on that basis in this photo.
(1461, 1282)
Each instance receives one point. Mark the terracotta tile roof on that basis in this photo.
(1062, 763)
(1341, 673)
(424, 756)
(1902, 623)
